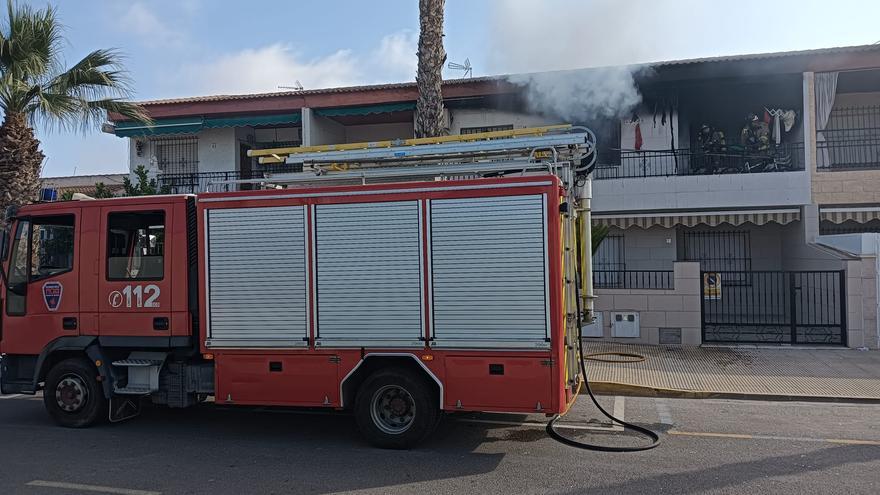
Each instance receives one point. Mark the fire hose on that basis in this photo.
(555, 435)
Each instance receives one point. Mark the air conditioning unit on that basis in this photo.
(625, 325)
(594, 329)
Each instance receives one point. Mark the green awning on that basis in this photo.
(364, 110)
(195, 124)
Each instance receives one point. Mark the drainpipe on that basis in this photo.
(877, 292)
(584, 196)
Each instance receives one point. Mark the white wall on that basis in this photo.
(378, 132)
(279, 134)
(321, 130)
(702, 191)
(484, 117)
(649, 249)
(218, 150)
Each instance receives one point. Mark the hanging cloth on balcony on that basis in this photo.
(638, 141)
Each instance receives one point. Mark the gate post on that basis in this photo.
(844, 331)
(793, 307)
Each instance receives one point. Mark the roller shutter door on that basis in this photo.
(257, 293)
(369, 276)
(489, 271)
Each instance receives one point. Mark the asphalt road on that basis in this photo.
(709, 446)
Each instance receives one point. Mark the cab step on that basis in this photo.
(138, 362)
(140, 371)
(133, 390)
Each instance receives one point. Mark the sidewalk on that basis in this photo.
(738, 372)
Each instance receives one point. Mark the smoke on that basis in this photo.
(550, 43)
(581, 95)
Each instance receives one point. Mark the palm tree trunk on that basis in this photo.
(429, 78)
(20, 162)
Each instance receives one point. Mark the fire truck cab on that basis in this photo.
(397, 299)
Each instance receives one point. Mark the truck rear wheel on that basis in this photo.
(72, 396)
(396, 409)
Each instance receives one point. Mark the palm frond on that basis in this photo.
(94, 77)
(32, 42)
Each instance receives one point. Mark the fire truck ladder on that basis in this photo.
(521, 150)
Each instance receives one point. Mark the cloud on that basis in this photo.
(264, 69)
(140, 21)
(396, 56)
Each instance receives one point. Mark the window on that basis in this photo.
(15, 303)
(719, 251)
(52, 246)
(136, 246)
(488, 128)
(176, 155)
(608, 262)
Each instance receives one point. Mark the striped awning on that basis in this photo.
(844, 214)
(781, 216)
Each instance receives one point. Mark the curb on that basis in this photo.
(612, 388)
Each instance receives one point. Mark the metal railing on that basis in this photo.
(633, 279)
(733, 160)
(191, 183)
(850, 140)
(789, 307)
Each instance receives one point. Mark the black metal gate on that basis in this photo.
(785, 307)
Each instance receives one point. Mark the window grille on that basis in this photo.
(720, 251)
(176, 155)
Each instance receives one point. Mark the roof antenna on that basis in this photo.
(466, 67)
(296, 87)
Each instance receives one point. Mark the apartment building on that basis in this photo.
(741, 197)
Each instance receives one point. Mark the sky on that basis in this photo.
(178, 48)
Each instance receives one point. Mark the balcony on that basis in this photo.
(780, 158)
(657, 181)
(851, 140)
(196, 182)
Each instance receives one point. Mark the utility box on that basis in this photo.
(594, 329)
(625, 325)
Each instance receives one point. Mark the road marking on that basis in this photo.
(663, 411)
(773, 437)
(90, 488)
(534, 424)
(13, 396)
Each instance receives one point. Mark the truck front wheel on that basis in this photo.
(396, 409)
(72, 396)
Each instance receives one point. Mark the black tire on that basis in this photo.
(411, 415)
(72, 396)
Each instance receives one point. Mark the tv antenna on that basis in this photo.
(466, 67)
(296, 87)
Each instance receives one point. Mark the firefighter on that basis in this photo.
(755, 135)
(713, 144)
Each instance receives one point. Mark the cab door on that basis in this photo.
(134, 286)
(42, 300)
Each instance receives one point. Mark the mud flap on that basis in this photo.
(123, 408)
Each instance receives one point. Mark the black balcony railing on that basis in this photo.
(633, 279)
(191, 183)
(733, 160)
(850, 140)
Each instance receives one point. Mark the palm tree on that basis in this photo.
(35, 89)
(429, 78)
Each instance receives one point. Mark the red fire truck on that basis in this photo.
(398, 280)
